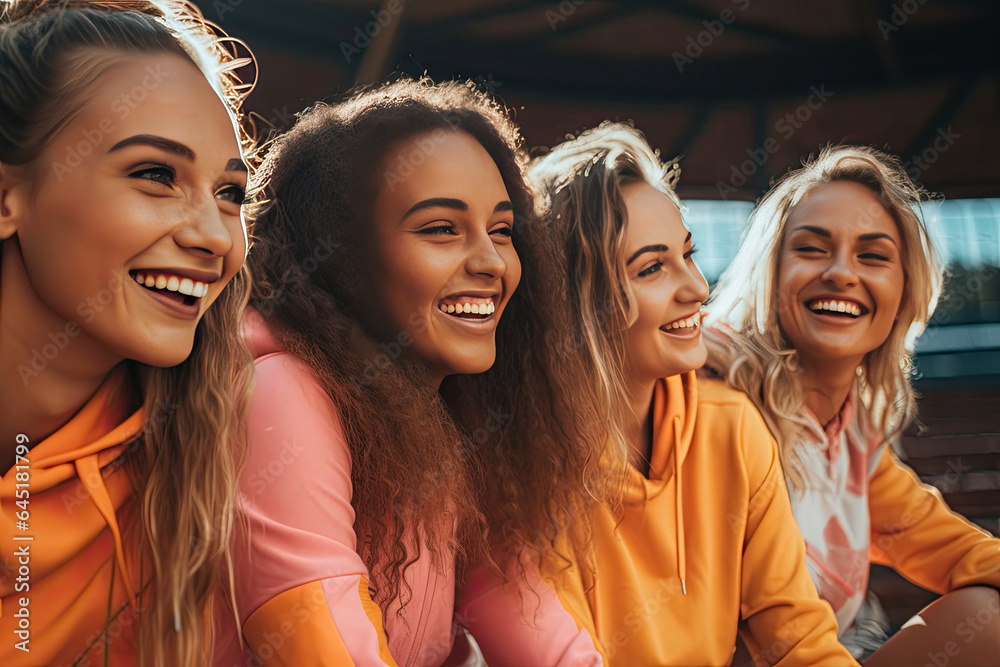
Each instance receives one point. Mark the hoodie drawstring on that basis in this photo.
(89, 472)
(681, 561)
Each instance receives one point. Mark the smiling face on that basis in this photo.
(840, 276)
(145, 183)
(443, 265)
(666, 337)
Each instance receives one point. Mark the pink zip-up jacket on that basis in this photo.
(302, 589)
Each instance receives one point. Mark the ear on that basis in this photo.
(13, 201)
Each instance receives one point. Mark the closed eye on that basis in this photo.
(807, 248)
(159, 173)
(690, 253)
(874, 255)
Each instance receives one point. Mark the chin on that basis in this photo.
(473, 365)
(163, 357)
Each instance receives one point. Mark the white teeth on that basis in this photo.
(690, 322)
(486, 308)
(185, 286)
(836, 307)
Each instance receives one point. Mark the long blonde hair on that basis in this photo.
(746, 343)
(560, 370)
(184, 467)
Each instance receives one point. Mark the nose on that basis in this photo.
(484, 259)
(693, 287)
(840, 271)
(205, 230)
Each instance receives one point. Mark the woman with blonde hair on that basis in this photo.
(121, 289)
(816, 318)
(688, 532)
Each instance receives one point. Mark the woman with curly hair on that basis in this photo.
(121, 292)
(835, 277)
(687, 531)
(385, 253)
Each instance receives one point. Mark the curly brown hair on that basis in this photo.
(316, 192)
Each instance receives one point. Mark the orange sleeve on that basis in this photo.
(303, 613)
(915, 532)
(788, 623)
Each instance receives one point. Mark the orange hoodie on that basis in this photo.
(707, 541)
(63, 582)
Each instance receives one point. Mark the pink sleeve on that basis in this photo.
(522, 622)
(296, 493)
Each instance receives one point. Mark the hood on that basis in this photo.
(96, 435)
(674, 411)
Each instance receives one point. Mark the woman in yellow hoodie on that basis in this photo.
(699, 537)
(835, 277)
(121, 288)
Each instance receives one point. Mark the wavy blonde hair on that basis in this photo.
(560, 369)
(184, 467)
(751, 350)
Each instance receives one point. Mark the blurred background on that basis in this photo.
(744, 90)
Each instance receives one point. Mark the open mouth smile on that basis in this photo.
(171, 286)
(469, 307)
(686, 327)
(841, 308)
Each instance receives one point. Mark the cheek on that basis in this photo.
(512, 276)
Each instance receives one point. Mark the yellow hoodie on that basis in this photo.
(707, 541)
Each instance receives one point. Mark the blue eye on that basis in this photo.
(161, 174)
(648, 271)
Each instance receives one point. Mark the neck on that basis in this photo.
(50, 367)
(636, 421)
(826, 384)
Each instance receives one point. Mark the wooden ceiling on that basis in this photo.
(747, 86)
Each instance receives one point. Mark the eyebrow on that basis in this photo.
(653, 248)
(454, 204)
(163, 144)
(876, 235)
(819, 231)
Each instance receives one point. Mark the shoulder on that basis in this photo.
(719, 404)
